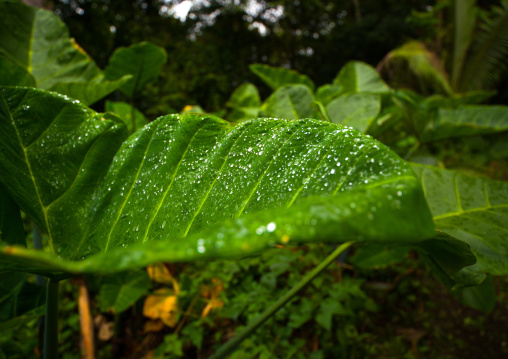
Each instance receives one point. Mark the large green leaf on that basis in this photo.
(14, 75)
(291, 102)
(357, 76)
(472, 209)
(38, 41)
(357, 110)
(191, 187)
(467, 121)
(143, 61)
(276, 77)
(54, 152)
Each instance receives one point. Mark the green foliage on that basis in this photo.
(118, 292)
(190, 187)
(38, 42)
(255, 170)
(276, 77)
(124, 111)
(472, 210)
(142, 61)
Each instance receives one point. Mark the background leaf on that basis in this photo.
(357, 110)
(119, 291)
(290, 102)
(472, 209)
(124, 111)
(357, 76)
(467, 121)
(142, 61)
(276, 77)
(245, 103)
(38, 41)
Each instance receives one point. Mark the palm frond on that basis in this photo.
(464, 22)
(489, 51)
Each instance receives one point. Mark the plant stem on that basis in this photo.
(230, 346)
(51, 320)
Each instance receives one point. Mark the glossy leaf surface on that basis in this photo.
(142, 61)
(357, 110)
(53, 154)
(191, 187)
(276, 77)
(38, 41)
(472, 209)
(290, 102)
(357, 76)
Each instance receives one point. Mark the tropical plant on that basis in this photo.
(472, 59)
(192, 187)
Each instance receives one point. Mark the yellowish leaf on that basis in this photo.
(163, 305)
(159, 273)
(212, 292)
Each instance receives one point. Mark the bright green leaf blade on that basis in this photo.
(474, 210)
(197, 187)
(53, 153)
(14, 75)
(276, 77)
(468, 121)
(290, 102)
(119, 291)
(357, 110)
(143, 61)
(357, 76)
(124, 111)
(89, 93)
